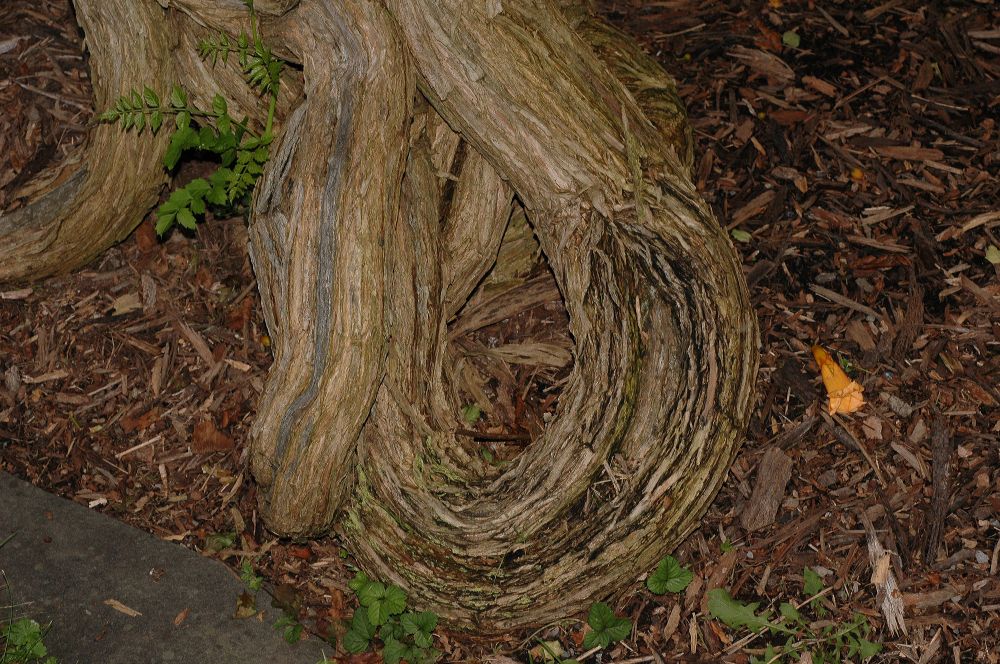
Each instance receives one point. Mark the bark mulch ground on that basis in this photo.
(852, 151)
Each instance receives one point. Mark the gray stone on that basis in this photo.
(65, 561)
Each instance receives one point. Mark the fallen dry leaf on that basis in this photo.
(121, 608)
(845, 394)
(207, 438)
(246, 605)
(132, 423)
(145, 237)
(126, 303)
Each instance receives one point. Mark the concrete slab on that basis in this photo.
(65, 561)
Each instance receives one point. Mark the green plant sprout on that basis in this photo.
(290, 628)
(605, 627)
(241, 151)
(249, 577)
(405, 635)
(669, 576)
(829, 644)
(21, 641)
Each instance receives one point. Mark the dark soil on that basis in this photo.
(851, 148)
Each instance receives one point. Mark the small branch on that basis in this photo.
(499, 437)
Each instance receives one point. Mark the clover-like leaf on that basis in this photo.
(424, 621)
(394, 651)
(606, 628)
(669, 577)
(355, 642)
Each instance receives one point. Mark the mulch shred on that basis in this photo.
(858, 173)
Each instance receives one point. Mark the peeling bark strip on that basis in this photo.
(363, 255)
(317, 238)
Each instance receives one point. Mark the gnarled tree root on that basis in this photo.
(364, 252)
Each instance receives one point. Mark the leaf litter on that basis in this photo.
(858, 159)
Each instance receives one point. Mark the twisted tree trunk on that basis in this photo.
(365, 253)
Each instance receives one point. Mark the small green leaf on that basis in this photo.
(186, 219)
(172, 155)
(178, 98)
(791, 39)
(669, 577)
(378, 612)
(722, 606)
(206, 139)
(217, 196)
(394, 651)
(391, 630)
(370, 592)
(868, 649)
(425, 621)
(812, 584)
(219, 106)
(740, 235)
(292, 633)
(164, 220)
(156, 121)
(789, 612)
(471, 413)
(361, 624)
(355, 642)
(423, 640)
(606, 627)
(993, 254)
(183, 120)
(395, 599)
(150, 97)
(179, 198)
(219, 541)
(198, 187)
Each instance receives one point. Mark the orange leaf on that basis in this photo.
(845, 394)
(207, 438)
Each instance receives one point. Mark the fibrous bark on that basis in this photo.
(424, 135)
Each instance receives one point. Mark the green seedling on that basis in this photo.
(290, 628)
(605, 627)
(471, 413)
(240, 150)
(250, 578)
(21, 642)
(792, 632)
(669, 577)
(383, 615)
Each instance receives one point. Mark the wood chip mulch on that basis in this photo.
(852, 150)
(45, 97)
